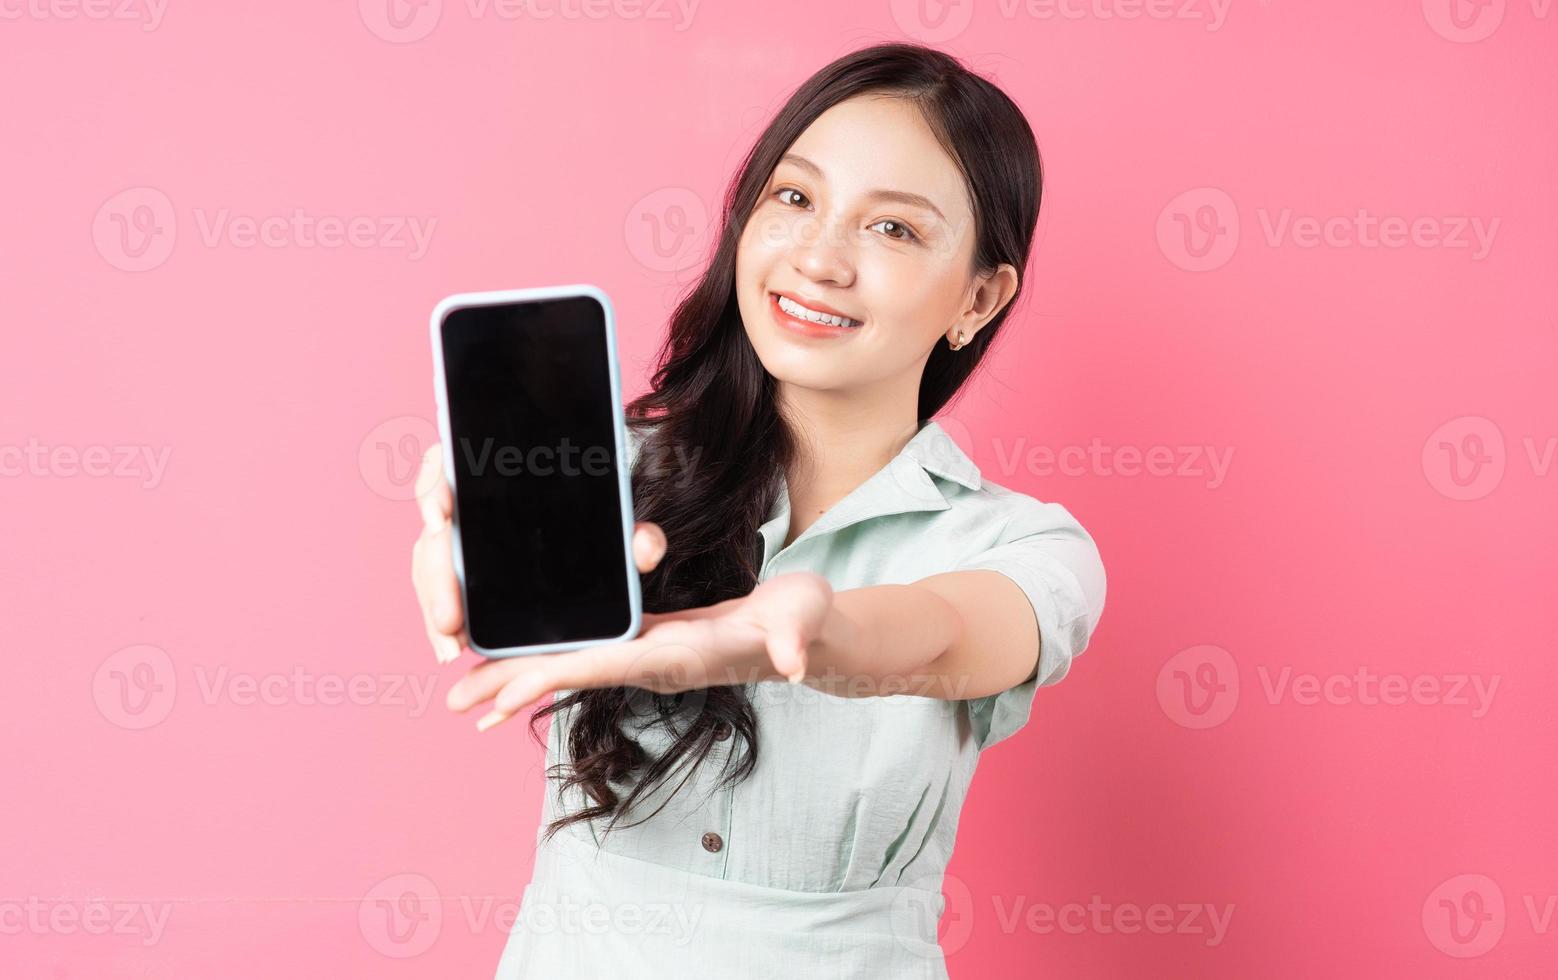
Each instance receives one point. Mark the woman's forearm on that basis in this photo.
(879, 640)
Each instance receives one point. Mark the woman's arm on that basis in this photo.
(964, 634)
(955, 635)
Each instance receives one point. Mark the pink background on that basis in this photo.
(1387, 505)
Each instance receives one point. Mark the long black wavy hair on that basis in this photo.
(711, 400)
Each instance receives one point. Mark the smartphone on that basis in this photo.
(534, 448)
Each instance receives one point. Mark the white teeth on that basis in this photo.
(795, 309)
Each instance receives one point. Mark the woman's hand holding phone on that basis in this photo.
(756, 636)
(432, 559)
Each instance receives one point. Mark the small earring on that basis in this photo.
(960, 343)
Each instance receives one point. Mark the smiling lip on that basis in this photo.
(807, 327)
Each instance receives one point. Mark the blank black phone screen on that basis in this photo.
(536, 472)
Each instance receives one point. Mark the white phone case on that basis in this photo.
(625, 490)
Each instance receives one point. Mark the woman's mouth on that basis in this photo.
(792, 315)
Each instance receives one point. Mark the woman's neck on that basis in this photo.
(840, 443)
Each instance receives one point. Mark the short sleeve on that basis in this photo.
(1056, 563)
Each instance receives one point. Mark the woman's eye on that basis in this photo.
(896, 229)
(897, 226)
(789, 190)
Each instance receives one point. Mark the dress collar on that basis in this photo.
(939, 453)
(903, 486)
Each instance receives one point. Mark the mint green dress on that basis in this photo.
(827, 861)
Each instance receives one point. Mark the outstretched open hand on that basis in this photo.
(755, 637)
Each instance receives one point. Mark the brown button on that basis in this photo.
(712, 842)
(722, 731)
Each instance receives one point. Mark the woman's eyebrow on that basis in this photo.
(899, 197)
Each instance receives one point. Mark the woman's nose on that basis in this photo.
(823, 253)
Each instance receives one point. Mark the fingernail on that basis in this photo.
(490, 719)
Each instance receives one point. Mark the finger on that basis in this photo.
(484, 681)
(601, 666)
(446, 648)
(787, 652)
(648, 545)
(513, 686)
(435, 639)
(515, 696)
(440, 587)
(434, 498)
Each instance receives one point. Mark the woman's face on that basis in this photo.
(866, 216)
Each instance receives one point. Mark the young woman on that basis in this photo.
(841, 612)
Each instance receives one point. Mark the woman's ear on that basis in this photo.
(990, 294)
